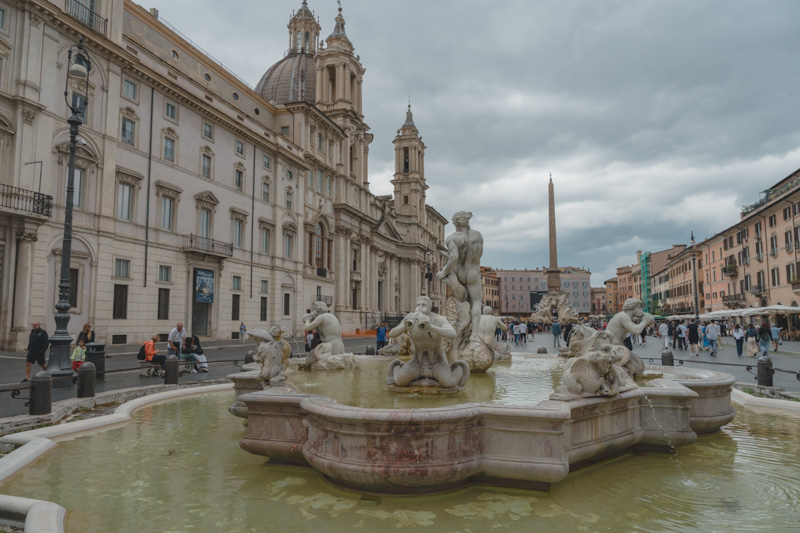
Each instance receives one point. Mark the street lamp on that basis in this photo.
(429, 274)
(694, 282)
(79, 67)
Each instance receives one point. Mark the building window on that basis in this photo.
(235, 307)
(129, 89)
(2, 18)
(776, 277)
(171, 111)
(265, 191)
(122, 268)
(355, 260)
(319, 247)
(205, 166)
(289, 200)
(238, 232)
(772, 221)
(239, 147)
(169, 149)
(167, 212)
(205, 223)
(238, 179)
(284, 130)
(264, 286)
(128, 130)
(208, 131)
(320, 142)
(319, 181)
(124, 201)
(265, 241)
(163, 304)
(287, 304)
(264, 307)
(120, 306)
(288, 246)
(164, 273)
(74, 277)
(237, 283)
(266, 161)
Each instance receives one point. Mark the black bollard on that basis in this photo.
(171, 370)
(41, 402)
(765, 371)
(96, 354)
(667, 359)
(87, 375)
(248, 357)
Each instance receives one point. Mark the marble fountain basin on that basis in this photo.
(434, 449)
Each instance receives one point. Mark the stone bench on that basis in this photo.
(149, 369)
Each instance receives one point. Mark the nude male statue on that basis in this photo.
(462, 271)
(426, 330)
(622, 323)
(489, 325)
(330, 331)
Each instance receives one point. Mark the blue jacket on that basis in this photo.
(555, 328)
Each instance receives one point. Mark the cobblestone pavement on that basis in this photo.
(221, 354)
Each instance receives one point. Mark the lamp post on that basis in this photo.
(694, 281)
(79, 67)
(429, 273)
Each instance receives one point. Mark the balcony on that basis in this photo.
(25, 200)
(733, 300)
(86, 16)
(731, 270)
(206, 246)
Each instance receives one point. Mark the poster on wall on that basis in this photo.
(203, 286)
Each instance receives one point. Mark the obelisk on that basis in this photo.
(553, 272)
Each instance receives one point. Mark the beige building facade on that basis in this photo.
(197, 198)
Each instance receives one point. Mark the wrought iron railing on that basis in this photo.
(87, 16)
(196, 243)
(25, 200)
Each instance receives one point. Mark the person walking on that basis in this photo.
(78, 355)
(751, 336)
(775, 331)
(738, 336)
(764, 338)
(712, 334)
(382, 330)
(242, 332)
(663, 331)
(38, 341)
(682, 332)
(694, 337)
(555, 329)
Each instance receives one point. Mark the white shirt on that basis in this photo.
(738, 333)
(663, 329)
(177, 337)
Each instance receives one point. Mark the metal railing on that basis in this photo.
(196, 243)
(25, 200)
(88, 17)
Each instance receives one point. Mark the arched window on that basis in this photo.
(307, 49)
(319, 247)
(299, 42)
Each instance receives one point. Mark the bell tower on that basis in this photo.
(409, 172)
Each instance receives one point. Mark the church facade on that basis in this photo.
(197, 198)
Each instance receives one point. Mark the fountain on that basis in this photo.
(598, 411)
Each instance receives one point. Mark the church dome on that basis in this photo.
(292, 79)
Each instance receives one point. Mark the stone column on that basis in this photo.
(339, 81)
(348, 86)
(320, 89)
(23, 280)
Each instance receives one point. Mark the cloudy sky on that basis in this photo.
(655, 118)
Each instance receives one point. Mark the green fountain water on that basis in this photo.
(178, 467)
